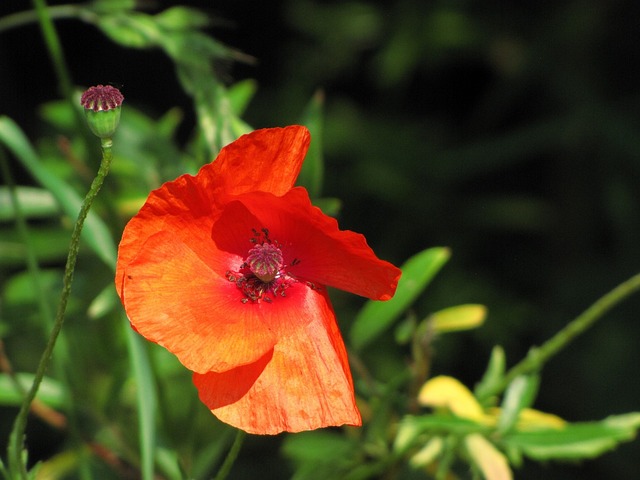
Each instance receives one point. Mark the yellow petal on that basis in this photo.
(427, 454)
(530, 419)
(491, 462)
(460, 317)
(447, 392)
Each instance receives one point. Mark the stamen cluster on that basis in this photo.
(263, 271)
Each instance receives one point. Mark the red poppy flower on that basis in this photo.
(227, 270)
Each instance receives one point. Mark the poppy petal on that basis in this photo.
(174, 298)
(267, 160)
(181, 208)
(313, 246)
(303, 384)
(190, 203)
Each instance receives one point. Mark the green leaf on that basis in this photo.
(60, 466)
(131, 29)
(146, 399)
(329, 205)
(34, 203)
(240, 94)
(104, 303)
(50, 244)
(95, 232)
(492, 376)
(376, 317)
(181, 18)
(437, 424)
(19, 289)
(576, 441)
(51, 392)
(520, 394)
(104, 7)
(320, 454)
(312, 173)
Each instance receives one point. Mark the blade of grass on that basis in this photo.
(145, 398)
(95, 233)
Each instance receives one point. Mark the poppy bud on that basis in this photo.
(102, 109)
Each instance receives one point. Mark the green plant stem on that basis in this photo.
(55, 49)
(231, 456)
(538, 356)
(56, 53)
(23, 231)
(19, 19)
(447, 458)
(17, 433)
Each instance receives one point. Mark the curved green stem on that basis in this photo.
(231, 456)
(538, 356)
(52, 41)
(55, 48)
(16, 463)
(19, 19)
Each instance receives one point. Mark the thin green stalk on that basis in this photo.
(231, 456)
(56, 53)
(19, 19)
(16, 464)
(23, 231)
(447, 458)
(538, 356)
(32, 262)
(55, 48)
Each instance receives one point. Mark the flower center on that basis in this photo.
(265, 261)
(263, 276)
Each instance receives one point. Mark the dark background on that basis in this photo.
(508, 131)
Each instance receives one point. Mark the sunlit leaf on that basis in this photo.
(60, 466)
(460, 317)
(312, 174)
(493, 375)
(576, 441)
(376, 317)
(50, 244)
(520, 394)
(105, 302)
(490, 461)
(181, 18)
(110, 6)
(531, 419)
(441, 424)
(241, 93)
(427, 454)
(146, 399)
(95, 232)
(130, 29)
(51, 392)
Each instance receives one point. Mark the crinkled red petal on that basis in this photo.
(267, 160)
(314, 248)
(303, 384)
(188, 203)
(182, 301)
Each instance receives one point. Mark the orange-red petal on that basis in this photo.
(314, 248)
(303, 384)
(268, 160)
(175, 298)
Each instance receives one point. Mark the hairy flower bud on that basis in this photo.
(102, 109)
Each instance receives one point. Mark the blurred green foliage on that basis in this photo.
(507, 132)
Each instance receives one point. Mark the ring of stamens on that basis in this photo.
(263, 275)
